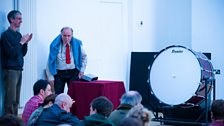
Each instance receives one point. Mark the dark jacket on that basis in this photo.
(12, 52)
(117, 115)
(54, 115)
(96, 120)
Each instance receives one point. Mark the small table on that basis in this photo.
(84, 92)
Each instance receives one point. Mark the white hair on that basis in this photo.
(63, 98)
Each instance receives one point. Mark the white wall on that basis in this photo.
(98, 23)
(5, 7)
(165, 23)
(142, 25)
(208, 34)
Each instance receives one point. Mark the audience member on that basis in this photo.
(58, 113)
(11, 120)
(67, 60)
(140, 113)
(100, 109)
(128, 100)
(13, 49)
(41, 89)
(217, 113)
(48, 101)
(130, 121)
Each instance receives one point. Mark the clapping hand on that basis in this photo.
(26, 38)
(29, 37)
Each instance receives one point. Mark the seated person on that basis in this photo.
(100, 109)
(58, 113)
(128, 100)
(11, 120)
(48, 101)
(41, 89)
(142, 114)
(217, 113)
(130, 121)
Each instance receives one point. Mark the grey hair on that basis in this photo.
(66, 28)
(141, 113)
(61, 98)
(131, 97)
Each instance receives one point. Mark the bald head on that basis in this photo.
(64, 101)
(68, 28)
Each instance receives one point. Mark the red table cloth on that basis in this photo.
(84, 92)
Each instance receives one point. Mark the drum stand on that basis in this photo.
(208, 82)
(203, 113)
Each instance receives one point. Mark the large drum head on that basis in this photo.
(175, 75)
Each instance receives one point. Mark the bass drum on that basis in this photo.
(176, 75)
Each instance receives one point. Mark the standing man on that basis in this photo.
(67, 60)
(13, 49)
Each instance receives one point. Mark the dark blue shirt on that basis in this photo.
(12, 52)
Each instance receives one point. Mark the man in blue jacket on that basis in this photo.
(67, 60)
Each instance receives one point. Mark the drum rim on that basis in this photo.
(150, 67)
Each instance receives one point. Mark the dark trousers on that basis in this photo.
(12, 80)
(62, 77)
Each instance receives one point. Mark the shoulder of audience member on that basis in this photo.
(141, 113)
(11, 120)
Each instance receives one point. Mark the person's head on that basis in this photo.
(131, 98)
(66, 34)
(217, 110)
(130, 121)
(141, 113)
(49, 100)
(64, 101)
(11, 120)
(15, 18)
(42, 88)
(101, 105)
